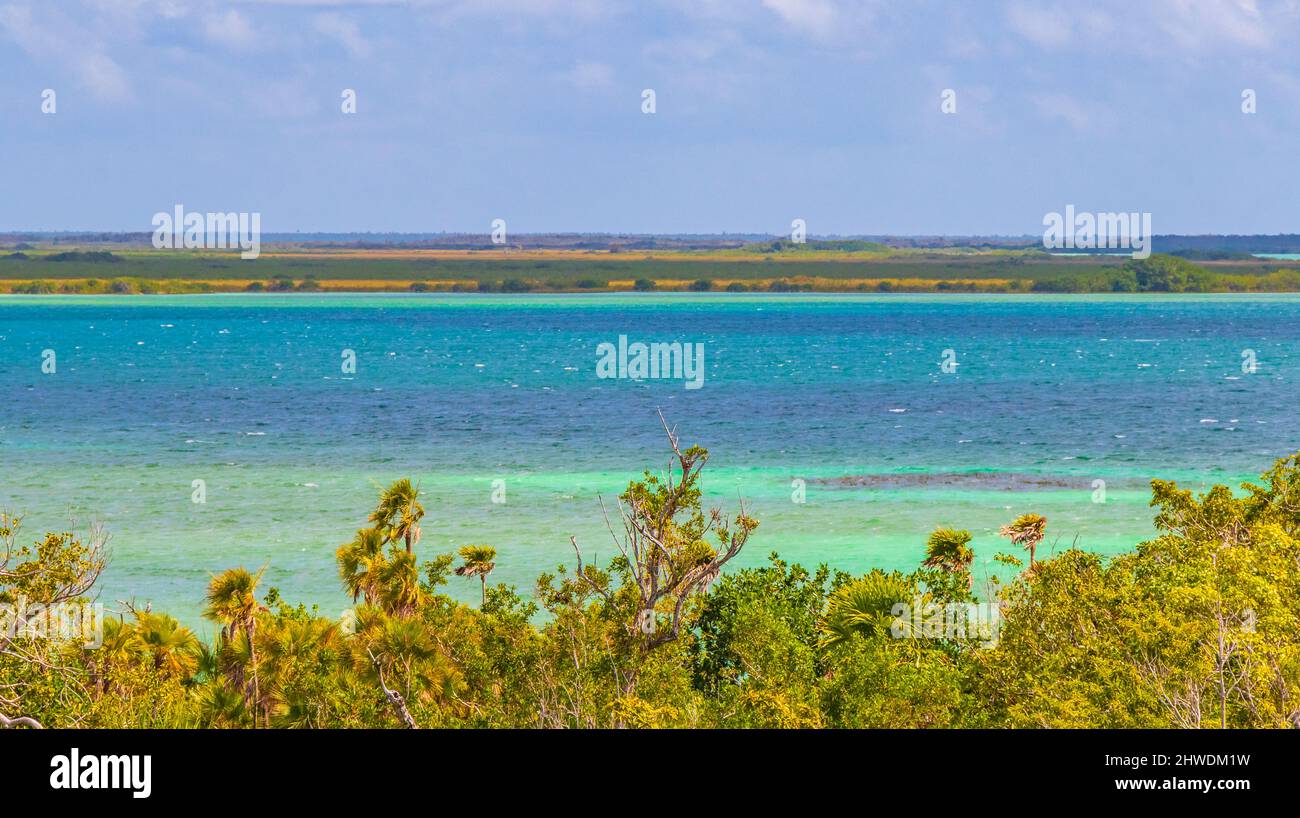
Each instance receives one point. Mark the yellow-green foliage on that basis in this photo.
(1198, 627)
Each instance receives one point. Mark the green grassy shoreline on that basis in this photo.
(291, 268)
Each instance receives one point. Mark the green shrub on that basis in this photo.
(34, 288)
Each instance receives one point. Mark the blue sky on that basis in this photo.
(767, 110)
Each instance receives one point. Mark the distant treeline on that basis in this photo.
(621, 242)
(1167, 274)
(1280, 243)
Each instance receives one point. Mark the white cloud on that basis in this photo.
(817, 17)
(464, 8)
(345, 31)
(59, 41)
(1041, 25)
(167, 9)
(1055, 26)
(1196, 24)
(232, 30)
(855, 28)
(334, 3)
(104, 77)
(1156, 26)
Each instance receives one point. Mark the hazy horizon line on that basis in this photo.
(757, 235)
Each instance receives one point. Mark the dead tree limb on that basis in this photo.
(394, 697)
(20, 721)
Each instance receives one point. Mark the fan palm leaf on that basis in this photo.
(1027, 531)
(949, 550)
(479, 560)
(863, 606)
(399, 513)
(173, 647)
(360, 562)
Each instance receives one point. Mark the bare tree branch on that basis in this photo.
(394, 697)
(20, 721)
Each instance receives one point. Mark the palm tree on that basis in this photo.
(1027, 531)
(399, 592)
(289, 643)
(295, 711)
(173, 647)
(402, 655)
(289, 650)
(479, 562)
(360, 563)
(949, 550)
(865, 606)
(121, 647)
(208, 666)
(219, 706)
(232, 602)
(398, 513)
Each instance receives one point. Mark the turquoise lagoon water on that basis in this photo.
(847, 393)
